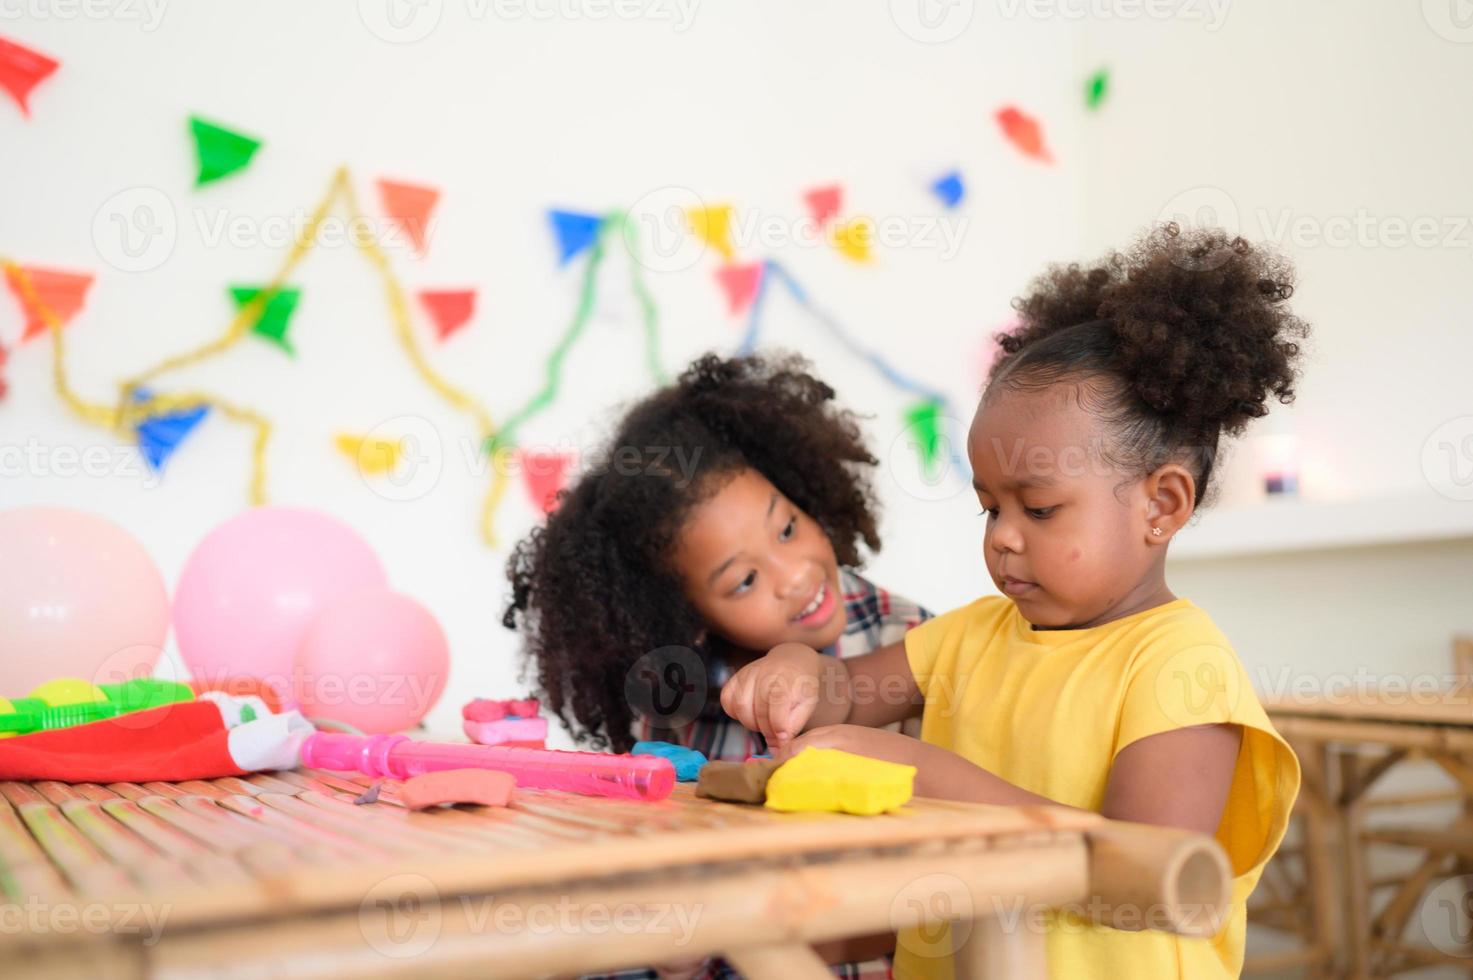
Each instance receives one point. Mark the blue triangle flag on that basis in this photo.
(575, 232)
(950, 189)
(160, 435)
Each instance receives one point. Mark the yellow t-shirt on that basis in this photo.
(1048, 710)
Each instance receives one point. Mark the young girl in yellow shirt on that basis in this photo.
(1088, 683)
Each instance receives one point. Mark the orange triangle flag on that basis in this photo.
(448, 308)
(410, 205)
(824, 203)
(1024, 132)
(740, 283)
(21, 70)
(58, 293)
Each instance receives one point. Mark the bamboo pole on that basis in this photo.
(848, 896)
(1158, 877)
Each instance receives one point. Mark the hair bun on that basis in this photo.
(1202, 333)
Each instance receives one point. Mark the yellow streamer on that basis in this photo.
(129, 411)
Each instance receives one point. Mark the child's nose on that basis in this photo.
(1005, 536)
(793, 579)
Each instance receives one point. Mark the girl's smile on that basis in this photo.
(759, 570)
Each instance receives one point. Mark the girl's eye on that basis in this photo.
(1040, 513)
(745, 584)
(788, 531)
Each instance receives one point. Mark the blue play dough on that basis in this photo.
(687, 762)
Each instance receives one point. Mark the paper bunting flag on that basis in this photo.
(1024, 132)
(713, 226)
(274, 321)
(923, 422)
(1097, 88)
(854, 238)
(409, 205)
(60, 292)
(824, 202)
(221, 151)
(22, 69)
(575, 232)
(372, 455)
(449, 309)
(544, 474)
(740, 283)
(950, 189)
(159, 435)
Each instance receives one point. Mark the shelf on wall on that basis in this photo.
(1280, 526)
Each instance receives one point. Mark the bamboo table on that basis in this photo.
(1331, 738)
(283, 875)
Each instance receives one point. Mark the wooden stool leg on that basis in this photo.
(1317, 811)
(1357, 887)
(997, 952)
(779, 962)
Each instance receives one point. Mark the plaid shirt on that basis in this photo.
(874, 618)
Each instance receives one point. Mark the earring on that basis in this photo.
(1156, 531)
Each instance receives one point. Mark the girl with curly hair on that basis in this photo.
(725, 516)
(1088, 683)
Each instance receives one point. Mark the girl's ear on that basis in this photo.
(1171, 493)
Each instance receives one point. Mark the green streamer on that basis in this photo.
(505, 437)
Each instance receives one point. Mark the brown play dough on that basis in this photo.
(736, 782)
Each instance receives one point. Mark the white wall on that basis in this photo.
(752, 104)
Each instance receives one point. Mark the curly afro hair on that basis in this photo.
(594, 590)
(1173, 343)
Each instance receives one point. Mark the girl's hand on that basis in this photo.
(876, 743)
(778, 694)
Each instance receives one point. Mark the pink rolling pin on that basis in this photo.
(589, 773)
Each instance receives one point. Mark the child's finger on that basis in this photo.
(798, 714)
(769, 702)
(736, 698)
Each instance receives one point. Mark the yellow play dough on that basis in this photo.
(828, 780)
(68, 690)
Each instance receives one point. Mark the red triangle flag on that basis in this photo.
(61, 293)
(544, 473)
(1024, 132)
(740, 283)
(448, 308)
(410, 205)
(824, 202)
(21, 70)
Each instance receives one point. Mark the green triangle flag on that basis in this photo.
(276, 317)
(221, 152)
(923, 422)
(1096, 88)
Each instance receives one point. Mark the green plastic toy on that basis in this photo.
(68, 701)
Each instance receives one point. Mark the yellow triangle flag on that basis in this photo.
(372, 455)
(713, 224)
(854, 238)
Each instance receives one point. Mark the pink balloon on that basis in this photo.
(79, 597)
(254, 584)
(376, 660)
